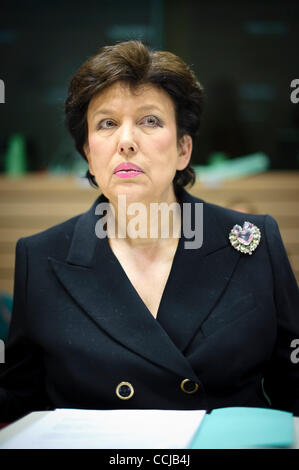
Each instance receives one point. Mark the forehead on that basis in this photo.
(120, 94)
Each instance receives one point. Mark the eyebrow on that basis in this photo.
(146, 107)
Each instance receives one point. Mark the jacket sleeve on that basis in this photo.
(21, 375)
(281, 381)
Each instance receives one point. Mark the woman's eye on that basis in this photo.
(105, 124)
(151, 121)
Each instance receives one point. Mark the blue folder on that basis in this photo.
(242, 427)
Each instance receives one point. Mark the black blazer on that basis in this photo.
(79, 329)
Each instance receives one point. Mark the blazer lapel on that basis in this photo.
(198, 278)
(96, 281)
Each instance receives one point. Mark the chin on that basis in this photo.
(132, 193)
(140, 193)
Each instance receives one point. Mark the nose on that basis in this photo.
(127, 145)
(127, 148)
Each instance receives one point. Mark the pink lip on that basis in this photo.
(127, 170)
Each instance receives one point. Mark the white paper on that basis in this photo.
(105, 429)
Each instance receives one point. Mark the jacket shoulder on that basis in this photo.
(56, 240)
(52, 241)
(229, 217)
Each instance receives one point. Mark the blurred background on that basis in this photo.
(245, 54)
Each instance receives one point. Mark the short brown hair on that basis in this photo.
(134, 63)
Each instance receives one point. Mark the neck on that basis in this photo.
(144, 224)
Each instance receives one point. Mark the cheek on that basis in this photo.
(165, 144)
(95, 143)
(100, 149)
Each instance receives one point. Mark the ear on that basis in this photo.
(185, 151)
(87, 154)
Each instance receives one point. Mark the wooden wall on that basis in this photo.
(37, 201)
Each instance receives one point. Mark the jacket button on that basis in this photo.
(124, 390)
(188, 386)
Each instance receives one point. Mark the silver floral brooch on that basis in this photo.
(246, 238)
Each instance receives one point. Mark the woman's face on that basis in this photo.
(137, 128)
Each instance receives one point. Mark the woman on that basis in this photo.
(106, 319)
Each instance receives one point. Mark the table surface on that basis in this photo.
(20, 425)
